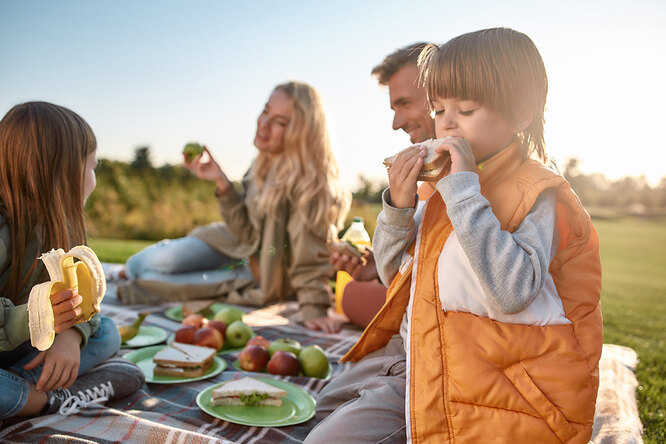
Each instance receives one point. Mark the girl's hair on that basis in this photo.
(499, 68)
(43, 153)
(306, 172)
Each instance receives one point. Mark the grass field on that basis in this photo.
(633, 254)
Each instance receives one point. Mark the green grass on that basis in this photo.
(633, 298)
(633, 255)
(116, 250)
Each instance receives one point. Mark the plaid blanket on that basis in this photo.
(168, 413)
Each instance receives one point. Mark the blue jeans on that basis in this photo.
(184, 260)
(103, 344)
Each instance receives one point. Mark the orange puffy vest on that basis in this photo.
(472, 379)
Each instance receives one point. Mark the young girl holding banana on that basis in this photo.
(47, 161)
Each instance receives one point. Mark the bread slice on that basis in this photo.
(184, 360)
(247, 391)
(433, 164)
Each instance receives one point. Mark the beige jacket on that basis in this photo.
(286, 257)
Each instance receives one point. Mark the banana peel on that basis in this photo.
(78, 269)
(128, 331)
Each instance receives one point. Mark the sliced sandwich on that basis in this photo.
(347, 248)
(201, 307)
(434, 164)
(247, 391)
(183, 360)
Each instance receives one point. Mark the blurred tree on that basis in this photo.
(142, 160)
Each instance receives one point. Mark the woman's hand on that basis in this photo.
(325, 324)
(462, 157)
(66, 309)
(208, 171)
(354, 267)
(403, 175)
(61, 362)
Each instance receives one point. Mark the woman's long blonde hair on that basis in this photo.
(306, 172)
(43, 153)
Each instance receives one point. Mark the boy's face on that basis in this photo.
(487, 131)
(409, 105)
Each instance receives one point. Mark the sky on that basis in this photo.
(163, 73)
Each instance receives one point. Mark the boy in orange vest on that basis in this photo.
(491, 331)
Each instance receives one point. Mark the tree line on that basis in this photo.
(137, 200)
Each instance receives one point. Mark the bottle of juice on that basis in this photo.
(357, 235)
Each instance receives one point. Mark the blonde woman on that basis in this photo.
(291, 203)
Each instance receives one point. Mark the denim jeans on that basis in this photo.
(184, 260)
(103, 344)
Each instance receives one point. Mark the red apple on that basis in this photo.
(253, 358)
(193, 319)
(209, 337)
(185, 334)
(259, 340)
(284, 363)
(217, 325)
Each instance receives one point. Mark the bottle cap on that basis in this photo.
(358, 219)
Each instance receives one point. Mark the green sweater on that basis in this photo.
(14, 329)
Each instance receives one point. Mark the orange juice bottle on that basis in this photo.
(357, 235)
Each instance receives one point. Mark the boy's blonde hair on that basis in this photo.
(43, 153)
(306, 172)
(499, 68)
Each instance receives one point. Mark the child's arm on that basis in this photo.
(395, 230)
(512, 267)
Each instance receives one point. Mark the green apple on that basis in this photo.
(229, 315)
(314, 362)
(285, 344)
(192, 150)
(238, 333)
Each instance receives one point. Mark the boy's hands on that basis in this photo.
(403, 175)
(61, 362)
(462, 157)
(66, 309)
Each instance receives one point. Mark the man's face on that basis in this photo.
(408, 102)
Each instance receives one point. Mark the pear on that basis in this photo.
(128, 331)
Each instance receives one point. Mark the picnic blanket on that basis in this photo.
(168, 413)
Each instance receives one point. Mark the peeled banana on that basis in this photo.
(128, 331)
(85, 275)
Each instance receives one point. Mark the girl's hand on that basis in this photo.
(61, 362)
(325, 324)
(66, 309)
(462, 157)
(208, 171)
(403, 174)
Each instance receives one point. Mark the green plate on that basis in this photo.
(226, 348)
(297, 407)
(148, 335)
(236, 365)
(175, 313)
(143, 358)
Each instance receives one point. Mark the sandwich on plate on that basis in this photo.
(183, 360)
(434, 164)
(247, 391)
(201, 307)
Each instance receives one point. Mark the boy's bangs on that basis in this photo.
(450, 72)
